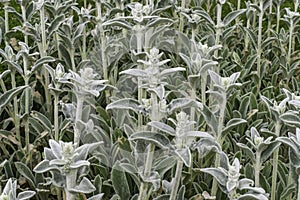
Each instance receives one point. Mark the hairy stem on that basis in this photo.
(78, 118)
(270, 17)
(26, 80)
(71, 183)
(278, 18)
(176, 179)
(275, 164)
(56, 128)
(257, 168)
(259, 41)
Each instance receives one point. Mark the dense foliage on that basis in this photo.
(152, 99)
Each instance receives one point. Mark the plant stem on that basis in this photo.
(278, 18)
(151, 147)
(176, 179)
(259, 41)
(298, 196)
(16, 108)
(78, 118)
(6, 19)
(71, 183)
(103, 46)
(23, 9)
(26, 80)
(270, 17)
(56, 128)
(43, 54)
(291, 30)
(275, 163)
(257, 168)
(218, 30)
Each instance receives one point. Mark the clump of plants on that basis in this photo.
(149, 100)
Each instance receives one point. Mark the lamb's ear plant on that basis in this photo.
(228, 177)
(293, 142)
(68, 166)
(263, 149)
(10, 192)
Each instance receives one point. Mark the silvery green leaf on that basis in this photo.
(25, 171)
(224, 161)
(232, 123)
(181, 193)
(159, 91)
(55, 148)
(184, 155)
(42, 119)
(164, 165)
(49, 155)
(199, 134)
(231, 185)
(245, 182)
(216, 78)
(291, 118)
(295, 103)
(162, 197)
(206, 17)
(267, 150)
(79, 163)
(69, 110)
(54, 25)
(44, 166)
(96, 197)
(207, 66)
(232, 16)
(172, 70)
(58, 162)
(181, 103)
(118, 23)
(40, 62)
(120, 182)
(126, 103)
(3, 74)
(153, 178)
(152, 137)
(219, 174)
(252, 197)
(294, 147)
(186, 59)
(9, 95)
(246, 150)
(210, 119)
(85, 186)
(25, 195)
(162, 127)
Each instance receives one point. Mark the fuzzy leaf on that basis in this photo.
(185, 155)
(252, 197)
(249, 153)
(162, 127)
(42, 119)
(291, 118)
(44, 166)
(85, 186)
(14, 65)
(96, 197)
(152, 137)
(181, 103)
(172, 70)
(220, 176)
(25, 171)
(235, 122)
(128, 104)
(232, 16)
(25, 195)
(268, 151)
(120, 182)
(200, 134)
(40, 62)
(9, 95)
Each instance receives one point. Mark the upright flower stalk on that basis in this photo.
(259, 42)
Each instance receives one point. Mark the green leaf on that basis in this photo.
(232, 16)
(135, 72)
(200, 134)
(152, 137)
(268, 151)
(40, 62)
(9, 95)
(220, 176)
(162, 127)
(126, 103)
(181, 103)
(85, 186)
(185, 155)
(249, 153)
(120, 182)
(206, 16)
(291, 118)
(287, 191)
(25, 171)
(42, 119)
(233, 123)
(96, 197)
(54, 25)
(181, 193)
(44, 166)
(118, 23)
(25, 195)
(252, 197)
